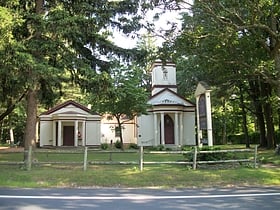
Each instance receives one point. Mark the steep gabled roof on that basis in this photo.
(201, 88)
(67, 103)
(169, 97)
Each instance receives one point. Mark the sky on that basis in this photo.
(161, 23)
(127, 42)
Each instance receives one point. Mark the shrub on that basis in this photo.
(207, 156)
(118, 144)
(236, 138)
(188, 156)
(186, 148)
(210, 156)
(160, 148)
(157, 148)
(254, 138)
(133, 146)
(104, 146)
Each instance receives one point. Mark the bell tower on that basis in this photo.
(163, 76)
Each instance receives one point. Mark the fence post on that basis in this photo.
(85, 159)
(194, 158)
(255, 156)
(141, 158)
(29, 158)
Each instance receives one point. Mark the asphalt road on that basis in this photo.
(140, 199)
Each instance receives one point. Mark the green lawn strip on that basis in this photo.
(268, 156)
(92, 156)
(164, 176)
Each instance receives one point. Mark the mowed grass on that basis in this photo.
(159, 176)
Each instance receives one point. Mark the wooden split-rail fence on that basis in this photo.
(141, 158)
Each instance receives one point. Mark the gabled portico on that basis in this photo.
(69, 124)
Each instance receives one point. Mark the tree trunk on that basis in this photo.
(120, 127)
(255, 95)
(261, 125)
(1, 132)
(244, 119)
(30, 128)
(278, 112)
(266, 92)
(224, 128)
(31, 109)
(270, 126)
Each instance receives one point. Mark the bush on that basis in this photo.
(186, 148)
(254, 137)
(188, 156)
(277, 137)
(104, 146)
(160, 148)
(207, 156)
(236, 138)
(133, 146)
(118, 144)
(210, 156)
(157, 148)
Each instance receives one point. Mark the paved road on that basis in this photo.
(140, 199)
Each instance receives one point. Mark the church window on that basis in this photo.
(117, 132)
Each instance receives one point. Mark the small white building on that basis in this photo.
(171, 118)
(69, 124)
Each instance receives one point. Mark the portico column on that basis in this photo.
(84, 133)
(162, 128)
(76, 133)
(176, 131)
(155, 129)
(54, 133)
(181, 128)
(59, 141)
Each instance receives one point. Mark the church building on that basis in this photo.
(171, 118)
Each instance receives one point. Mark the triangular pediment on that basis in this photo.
(69, 108)
(168, 97)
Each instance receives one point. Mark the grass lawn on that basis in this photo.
(164, 176)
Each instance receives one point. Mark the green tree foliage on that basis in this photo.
(12, 63)
(234, 47)
(125, 97)
(49, 38)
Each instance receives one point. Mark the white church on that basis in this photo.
(170, 120)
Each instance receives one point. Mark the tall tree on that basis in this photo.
(58, 36)
(230, 40)
(125, 98)
(13, 60)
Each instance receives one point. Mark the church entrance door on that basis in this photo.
(168, 130)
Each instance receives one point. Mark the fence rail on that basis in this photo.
(140, 162)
